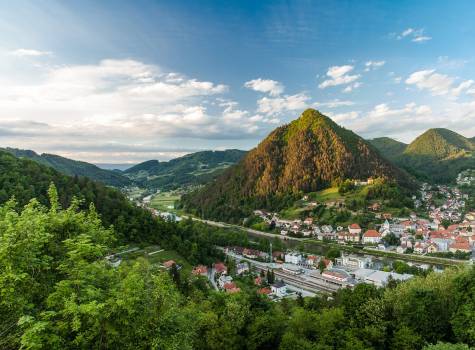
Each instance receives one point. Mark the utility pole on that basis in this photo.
(270, 255)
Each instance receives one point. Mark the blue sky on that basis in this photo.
(125, 81)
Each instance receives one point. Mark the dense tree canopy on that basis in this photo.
(59, 292)
(25, 179)
(309, 154)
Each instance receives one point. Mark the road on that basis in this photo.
(211, 276)
(246, 229)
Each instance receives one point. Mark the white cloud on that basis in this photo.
(371, 65)
(29, 53)
(272, 87)
(407, 32)
(120, 101)
(465, 85)
(352, 87)
(339, 76)
(416, 35)
(419, 39)
(438, 84)
(277, 105)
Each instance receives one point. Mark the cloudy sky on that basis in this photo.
(126, 81)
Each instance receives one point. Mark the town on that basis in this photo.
(439, 226)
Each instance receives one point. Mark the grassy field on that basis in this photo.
(328, 194)
(155, 255)
(164, 201)
(165, 255)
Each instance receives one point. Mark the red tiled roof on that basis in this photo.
(264, 291)
(355, 226)
(372, 233)
(465, 246)
(220, 267)
(229, 285)
(169, 263)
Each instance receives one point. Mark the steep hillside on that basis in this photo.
(438, 155)
(440, 144)
(25, 179)
(306, 155)
(388, 147)
(73, 167)
(191, 169)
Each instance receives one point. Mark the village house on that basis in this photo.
(371, 237)
(200, 270)
(420, 247)
(353, 261)
(312, 260)
(242, 268)
(293, 258)
(223, 279)
(328, 263)
(432, 248)
(279, 289)
(354, 229)
(264, 291)
(308, 221)
(231, 287)
(169, 263)
(220, 268)
(461, 244)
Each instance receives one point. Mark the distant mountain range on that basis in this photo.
(192, 169)
(73, 167)
(437, 155)
(309, 154)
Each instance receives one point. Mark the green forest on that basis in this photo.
(58, 292)
(25, 179)
(309, 154)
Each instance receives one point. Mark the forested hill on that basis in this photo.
(25, 179)
(388, 147)
(437, 155)
(73, 167)
(306, 155)
(192, 169)
(440, 144)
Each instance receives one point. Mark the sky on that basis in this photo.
(127, 81)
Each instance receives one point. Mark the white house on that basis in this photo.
(279, 289)
(371, 237)
(242, 268)
(354, 262)
(293, 258)
(223, 279)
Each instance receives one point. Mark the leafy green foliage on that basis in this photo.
(73, 167)
(25, 179)
(59, 292)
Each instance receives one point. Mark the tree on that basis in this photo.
(446, 346)
(321, 265)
